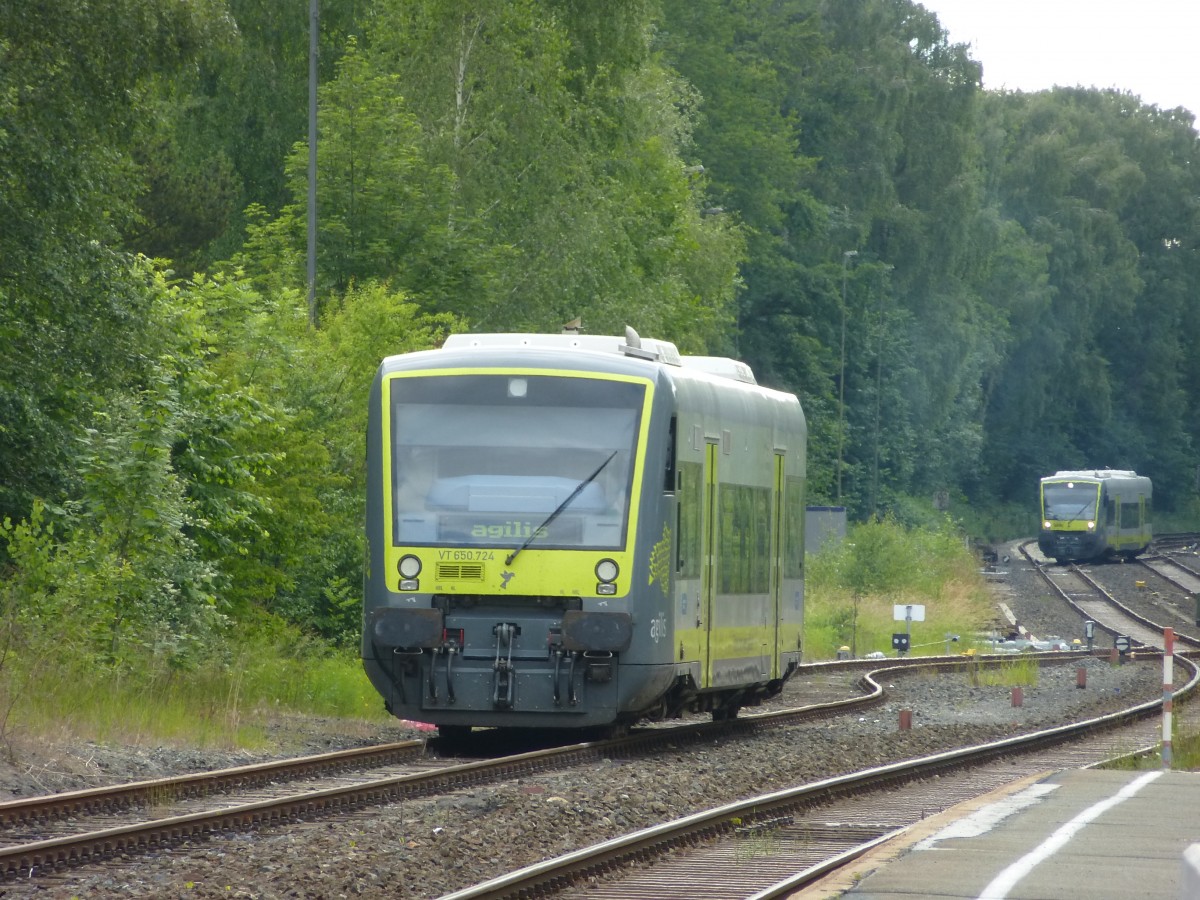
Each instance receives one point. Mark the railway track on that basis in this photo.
(771, 845)
(1092, 601)
(760, 848)
(1183, 540)
(92, 833)
(42, 834)
(47, 834)
(1184, 577)
(826, 683)
(18, 816)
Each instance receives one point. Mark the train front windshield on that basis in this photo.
(495, 459)
(1069, 501)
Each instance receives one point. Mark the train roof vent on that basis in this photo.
(722, 366)
(649, 348)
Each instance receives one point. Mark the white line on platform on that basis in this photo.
(1007, 880)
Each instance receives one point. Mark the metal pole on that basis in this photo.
(842, 378)
(313, 33)
(1168, 701)
(878, 393)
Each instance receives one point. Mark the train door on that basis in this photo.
(776, 585)
(708, 558)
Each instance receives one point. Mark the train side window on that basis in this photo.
(687, 559)
(744, 519)
(669, 475)
(793, 528)
(1110, 511)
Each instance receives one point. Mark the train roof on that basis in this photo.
(1115, 479)
(631, 345)
(1093, 474)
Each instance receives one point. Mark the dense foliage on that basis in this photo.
(966, 289)
(852, 590)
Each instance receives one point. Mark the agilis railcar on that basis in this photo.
(576, 531)
(1094, 514)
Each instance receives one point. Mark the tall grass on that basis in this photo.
(853, 588)
(265, 668)
(1185, 754)
(1186, 518)
(226, 700)
(1009, 673)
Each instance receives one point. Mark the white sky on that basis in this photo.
(1150, 48)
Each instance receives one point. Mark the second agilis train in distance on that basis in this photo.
(1095, 514)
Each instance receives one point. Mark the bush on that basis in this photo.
(853, 588)
(226, 698)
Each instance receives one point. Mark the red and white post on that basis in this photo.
(1168, 684)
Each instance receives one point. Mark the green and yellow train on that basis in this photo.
(569, 531)
(1095, 514)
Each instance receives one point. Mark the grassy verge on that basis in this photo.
(1010, 673)
(853, 589)
(224, 701)
(1185, 755)
(264, 669)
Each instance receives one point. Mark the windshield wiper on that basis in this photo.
(508, 560)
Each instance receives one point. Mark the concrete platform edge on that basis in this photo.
(837, 883)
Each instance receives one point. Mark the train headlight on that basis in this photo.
(1046, 525)
(1091, 526)
(409, 568)
(606, 572)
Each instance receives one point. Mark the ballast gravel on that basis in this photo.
(427, 848)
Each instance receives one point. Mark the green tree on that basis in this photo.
(846, 135)
(217, 131)
(72, 313)
(317, 492)
(566, 155)
(1099, 184)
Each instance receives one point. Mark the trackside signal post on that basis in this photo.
(906, 613)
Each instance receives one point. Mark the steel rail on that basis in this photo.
(550, 875)
(37, 857)
(35, 810)
(1151, 636)
(1190, 586)
(32, 858)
